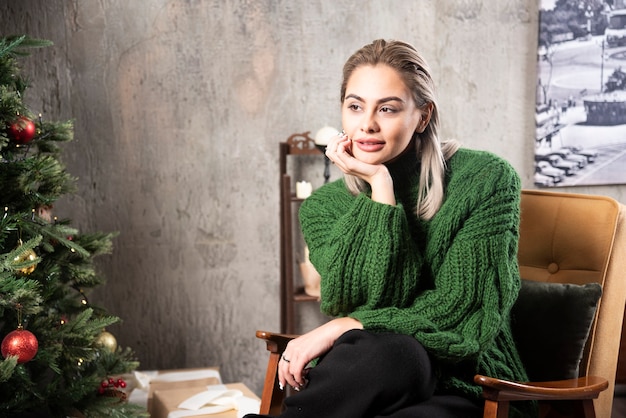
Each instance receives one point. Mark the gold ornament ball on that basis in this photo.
(29, 255)
(107, 340)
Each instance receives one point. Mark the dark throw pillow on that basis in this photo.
(551, 323)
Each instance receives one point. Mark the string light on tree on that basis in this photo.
(83, 297)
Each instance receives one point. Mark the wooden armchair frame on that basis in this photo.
(564, 238)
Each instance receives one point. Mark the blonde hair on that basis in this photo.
(415, 73)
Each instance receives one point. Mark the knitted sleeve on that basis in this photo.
(362, 250)
(472, 251)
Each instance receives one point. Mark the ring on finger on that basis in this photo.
(285, 359)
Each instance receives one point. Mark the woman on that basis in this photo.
(417, 249)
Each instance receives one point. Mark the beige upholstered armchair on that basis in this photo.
(572, 257)
(579, 239)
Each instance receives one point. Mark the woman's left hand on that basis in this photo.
(300, 351)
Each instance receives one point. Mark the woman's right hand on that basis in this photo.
(302, 350)
(339, 151)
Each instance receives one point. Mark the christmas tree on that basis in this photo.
(58, 360)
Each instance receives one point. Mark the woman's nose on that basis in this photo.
(369, 123)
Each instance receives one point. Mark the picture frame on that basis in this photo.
(580, 107)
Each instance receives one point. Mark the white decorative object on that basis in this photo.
(215, 400)
(303, 189)
(322, 137)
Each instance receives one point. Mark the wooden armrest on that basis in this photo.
(588, 387)
(272, 396)
(276, 342)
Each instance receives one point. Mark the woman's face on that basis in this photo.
(379, 114)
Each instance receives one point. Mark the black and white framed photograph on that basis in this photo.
(580, 109)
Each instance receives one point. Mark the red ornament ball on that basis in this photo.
(22, 130)
(20, 343)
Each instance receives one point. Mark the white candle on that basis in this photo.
(303, 189)
(322, 137)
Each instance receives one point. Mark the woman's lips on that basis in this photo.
(369, 145)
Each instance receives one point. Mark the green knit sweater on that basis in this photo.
(450, 282)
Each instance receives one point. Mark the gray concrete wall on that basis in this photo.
(179, 106)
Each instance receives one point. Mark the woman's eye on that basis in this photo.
(387, 109)
(354, 106)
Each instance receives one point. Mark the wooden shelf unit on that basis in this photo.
(290, 294)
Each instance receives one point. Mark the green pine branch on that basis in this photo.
(7, 367)
(12, 47)
(19, 45)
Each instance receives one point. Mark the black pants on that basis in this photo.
(375, 375)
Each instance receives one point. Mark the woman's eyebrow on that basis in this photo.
(379, 101)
